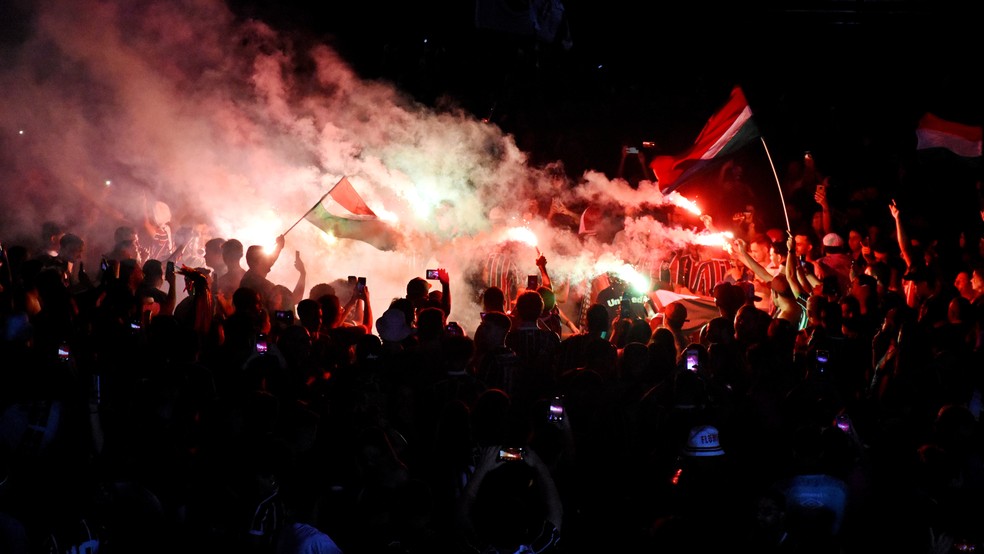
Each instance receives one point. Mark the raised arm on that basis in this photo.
(445, 291)
(760, 272)
(298, 293)
(279, 248)
(541, 263)
(900, 234)
(820, 196)
(791, 269)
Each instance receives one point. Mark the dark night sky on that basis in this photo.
(845, 80)
(818, 75)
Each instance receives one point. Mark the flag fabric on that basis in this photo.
(725, 133)
(343, 213)
(934, 132)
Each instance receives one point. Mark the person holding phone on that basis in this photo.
(154, 277)
(418, 292)
(499, 510)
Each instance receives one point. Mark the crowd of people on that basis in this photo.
(832, 404)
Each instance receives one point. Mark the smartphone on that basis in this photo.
(170, 268)
(360, 284)
(285, 317)
(532, 282)
(454, 329)
(821, 358)
(556, 409)
(261, 344)
(351, 280)
(693, 359)
(802, 260)
(511, 454)
(104, 265)
(433, 274)
(843, 422)
(64, 352)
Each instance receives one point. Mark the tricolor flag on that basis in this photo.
(962, 140)
(725, 133)
(344, 214)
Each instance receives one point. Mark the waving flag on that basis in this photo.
(725, 133)
(962, 140)
(343, 213)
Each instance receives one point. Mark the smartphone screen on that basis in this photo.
(532, 282)
(692, 359)
(433, 274)
(556, 410)
(261, 344)
(510, 454)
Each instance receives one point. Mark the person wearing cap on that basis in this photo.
(393, 328)
(704, 495)
(835, 261)
(919, 280)
(674, 316)
(418, 292)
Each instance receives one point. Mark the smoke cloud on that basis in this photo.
(239, 128)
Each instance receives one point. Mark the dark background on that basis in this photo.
(847, 80)
(818, 75)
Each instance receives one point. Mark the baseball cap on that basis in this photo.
(833, 239)
(392, 326)
(703, 441)
(675, 311)
(749, 289)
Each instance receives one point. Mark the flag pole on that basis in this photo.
(311, 209)
(779, 186)
(315, 205)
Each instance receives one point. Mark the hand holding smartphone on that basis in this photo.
(693, 359)
(556, 410)
(511, 454)
(433, 274)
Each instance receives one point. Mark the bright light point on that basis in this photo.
(680, 201)
(722, 240)
(108, 182)
(637, 281)
(519, 234)
(21, 132)
(425, 41)
(600, 66)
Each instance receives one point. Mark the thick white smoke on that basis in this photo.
(240, 128)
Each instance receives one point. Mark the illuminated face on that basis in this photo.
(802, 245)
(759, 253)
(977, 282)
(962, 281)
(774, 257)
